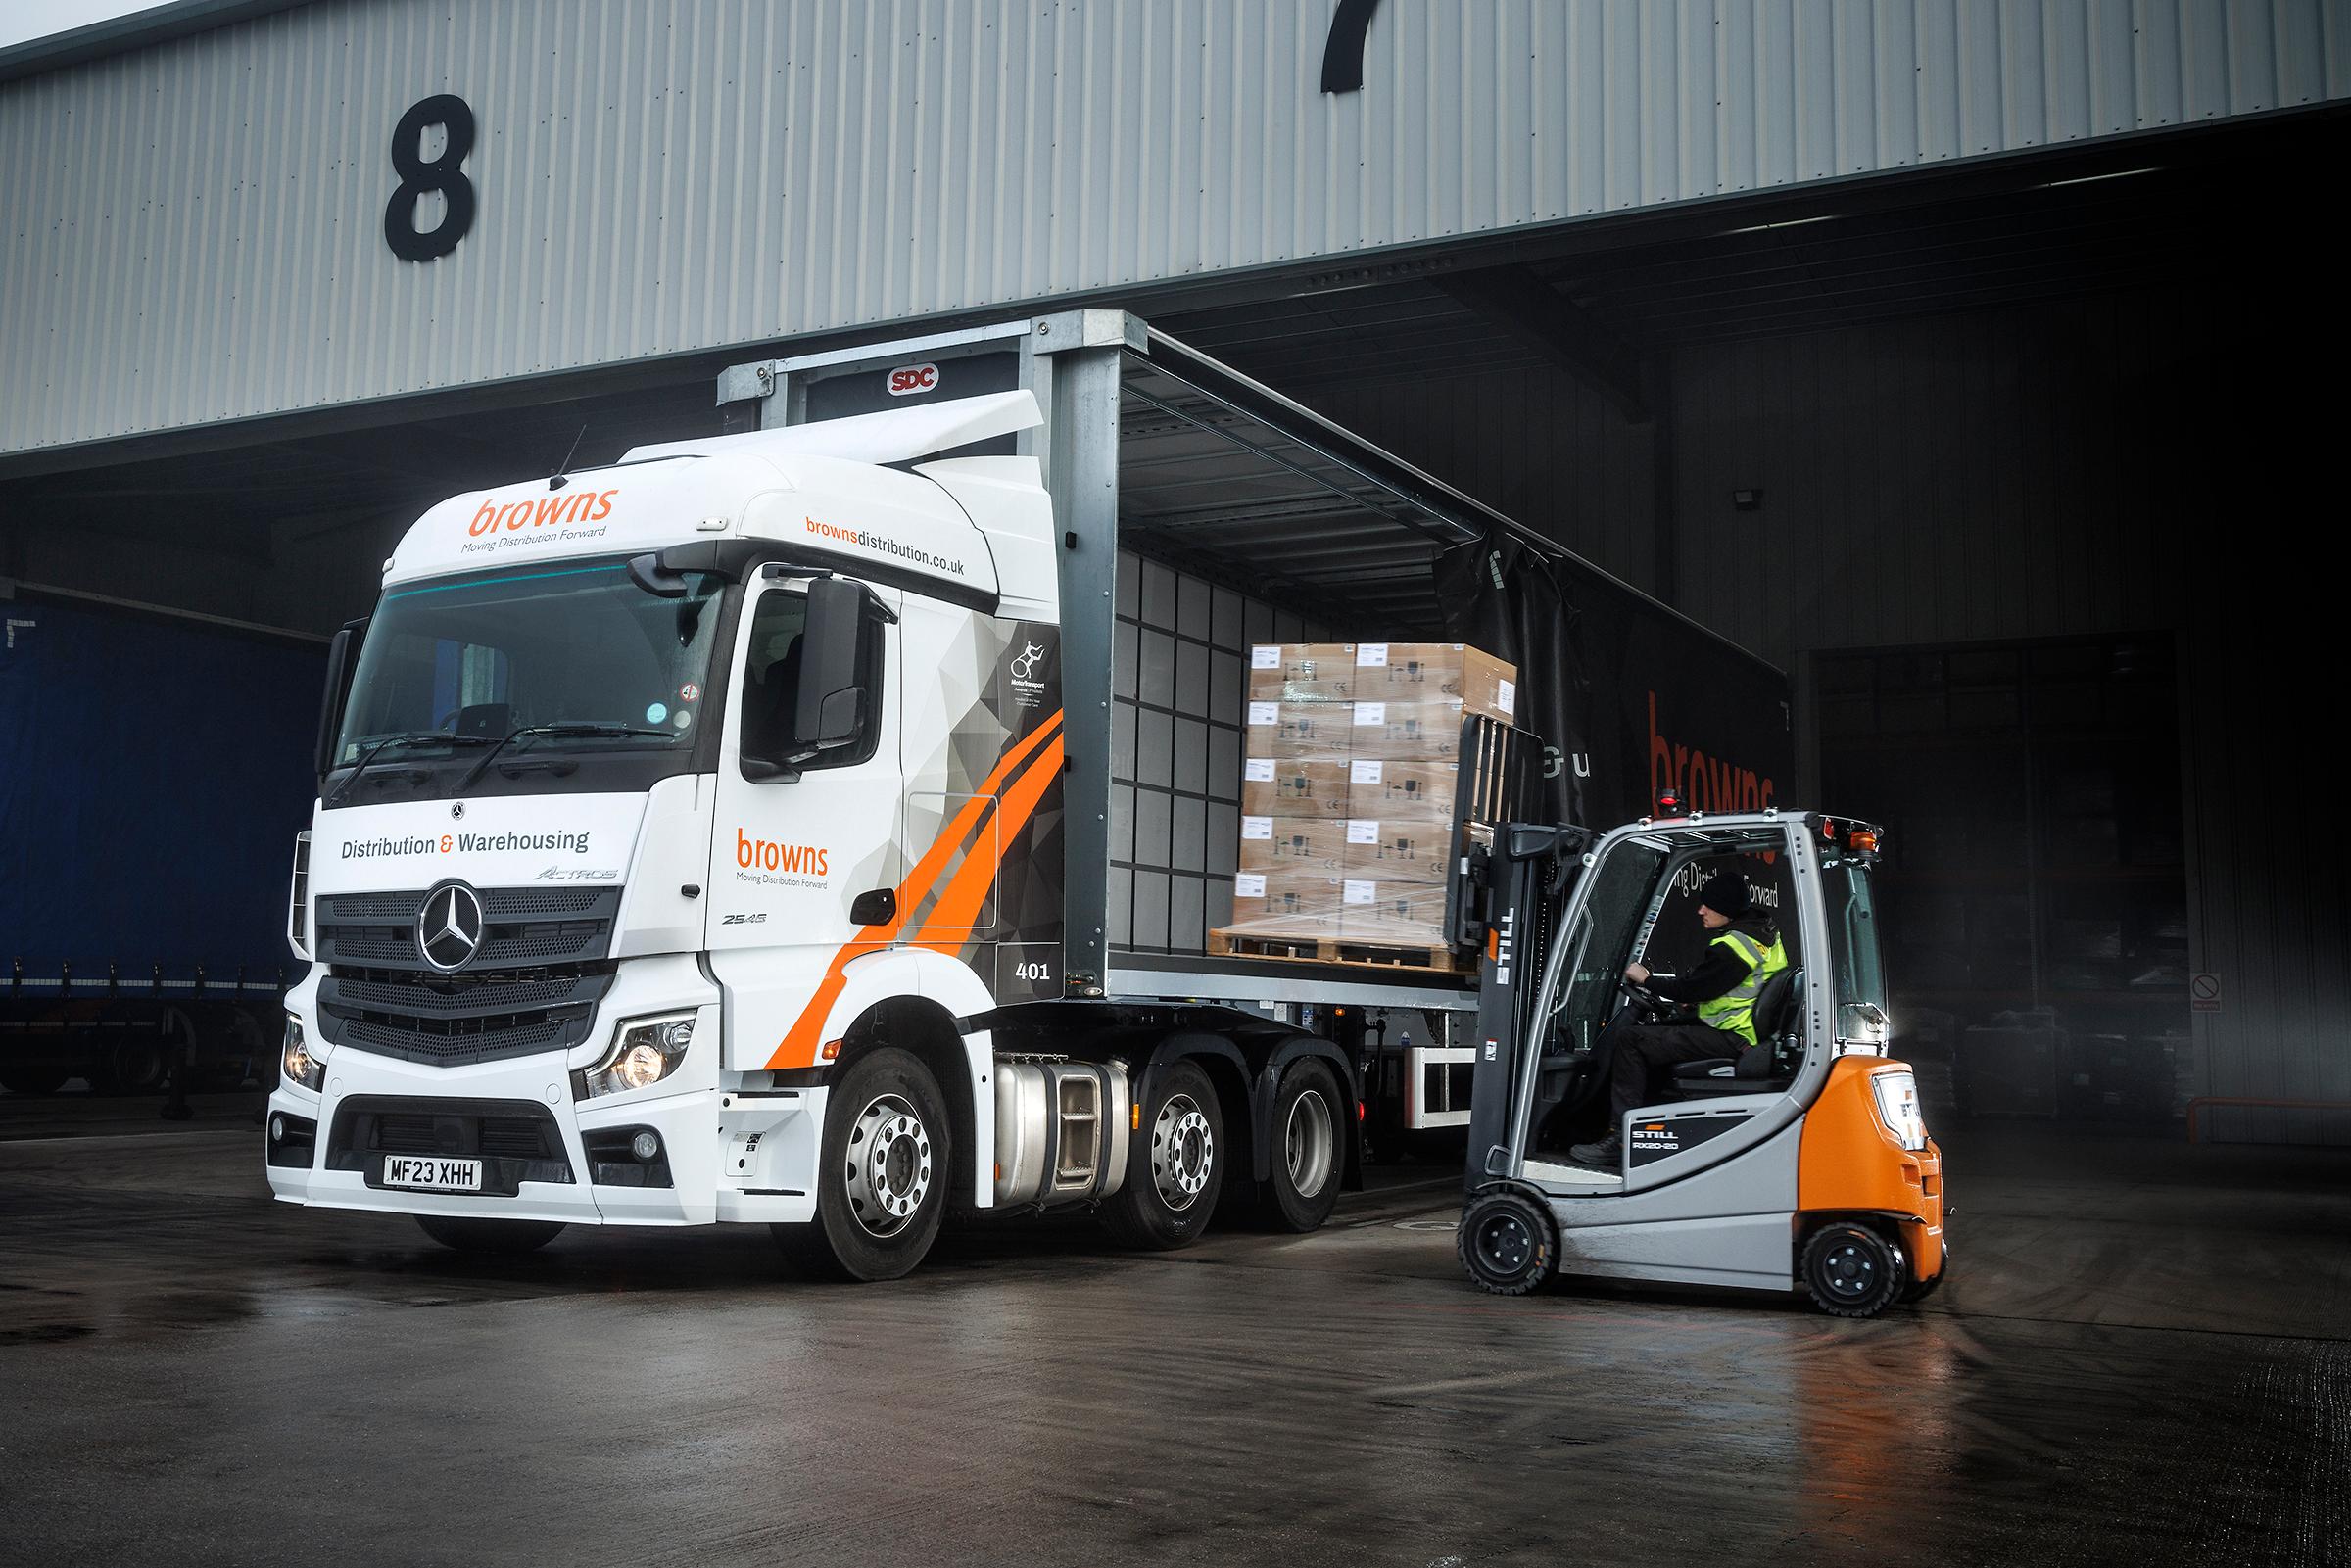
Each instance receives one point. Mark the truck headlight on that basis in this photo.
(1898, 1106)
(299, 1066)
(646, 1051)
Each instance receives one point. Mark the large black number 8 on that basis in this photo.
(417, 177)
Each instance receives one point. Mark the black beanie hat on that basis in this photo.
(1725, 893)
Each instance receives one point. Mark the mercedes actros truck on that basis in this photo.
(812, 825)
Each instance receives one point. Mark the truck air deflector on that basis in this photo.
(893, 436)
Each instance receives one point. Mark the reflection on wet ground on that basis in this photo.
(2141, 1355)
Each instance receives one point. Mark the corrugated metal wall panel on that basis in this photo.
(195, 228)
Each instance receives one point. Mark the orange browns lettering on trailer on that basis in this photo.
(797, 1049)
(1850, 1162)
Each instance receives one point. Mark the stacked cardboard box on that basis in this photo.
(1347, 796)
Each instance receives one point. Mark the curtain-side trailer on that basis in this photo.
(149, 763)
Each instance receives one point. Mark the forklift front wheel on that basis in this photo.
(1853, 1271)
(1507, 1242)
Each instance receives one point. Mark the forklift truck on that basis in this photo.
(1802, 1162)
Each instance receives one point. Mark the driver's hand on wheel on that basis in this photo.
(1638, 973)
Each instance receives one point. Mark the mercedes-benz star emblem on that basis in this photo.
(457, 808)
(448, 928)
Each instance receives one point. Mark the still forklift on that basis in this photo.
(1804, 1162)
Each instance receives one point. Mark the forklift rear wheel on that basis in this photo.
(1505, 1243)
(502, 1238)
(1174, 1167)
(1853, 1271)
(1308, 1157)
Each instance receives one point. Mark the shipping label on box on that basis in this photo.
(1377, 788)
(1285, 844)
(1301, 672)
(1422, 672)
(1398, 848)
(1276, 786)
(1408, 732)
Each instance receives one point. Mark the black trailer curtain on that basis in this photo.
(1500, 596)
(1626, 695)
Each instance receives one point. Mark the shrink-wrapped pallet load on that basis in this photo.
(1348, 790)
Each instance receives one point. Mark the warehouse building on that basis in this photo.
(1971, 362)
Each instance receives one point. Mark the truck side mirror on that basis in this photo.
(828, 710)
(342, 662)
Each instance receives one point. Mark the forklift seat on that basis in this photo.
(1779, 1023)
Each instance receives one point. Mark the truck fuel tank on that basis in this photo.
(1061, 1130)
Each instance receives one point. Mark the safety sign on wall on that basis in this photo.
(2204, 993)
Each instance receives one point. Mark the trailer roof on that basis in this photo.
(1224, 476)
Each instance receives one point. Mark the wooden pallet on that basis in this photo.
(1358, 955)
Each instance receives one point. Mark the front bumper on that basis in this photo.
(521, 1093)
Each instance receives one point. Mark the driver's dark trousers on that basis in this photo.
(1643, 1050)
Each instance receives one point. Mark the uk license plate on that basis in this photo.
(433, 1174)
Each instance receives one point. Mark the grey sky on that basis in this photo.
(20, 20)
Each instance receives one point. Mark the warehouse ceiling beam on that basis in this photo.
(1563, 332)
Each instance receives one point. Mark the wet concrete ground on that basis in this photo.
(2143, 1356)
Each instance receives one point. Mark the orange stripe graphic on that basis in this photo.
(799, 1047)
(951, 922)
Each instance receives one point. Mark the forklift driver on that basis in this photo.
(1744, 952)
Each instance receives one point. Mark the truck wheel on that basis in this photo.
(35, 1080)
(1853, 1271)
(134, 1067)
(1505, 1243)
(496, 1238)
(1307, 1154)
(883, 1177)
(1174, 1166)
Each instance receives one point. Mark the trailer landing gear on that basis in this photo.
(1507, 1242)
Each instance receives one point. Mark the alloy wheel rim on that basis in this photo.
(888, 1165)
(1307, 1143)
(1184, 1151)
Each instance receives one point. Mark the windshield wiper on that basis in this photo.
(412, 738)
(565, 729)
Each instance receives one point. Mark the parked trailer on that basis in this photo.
(856, 783)
(149, 763)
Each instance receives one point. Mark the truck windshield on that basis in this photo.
(579, 648)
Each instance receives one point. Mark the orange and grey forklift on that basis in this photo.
(1803, 1162)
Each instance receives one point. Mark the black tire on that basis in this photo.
(35, 1080)
(1853, 1271)
(1309, 1156)
(1175, 1163)
(883, 1177)
(1919, 1289)
(490, 1238)
(1507, 1242)
(136, 1066)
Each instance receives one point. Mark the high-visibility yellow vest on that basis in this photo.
(1734, 1011)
